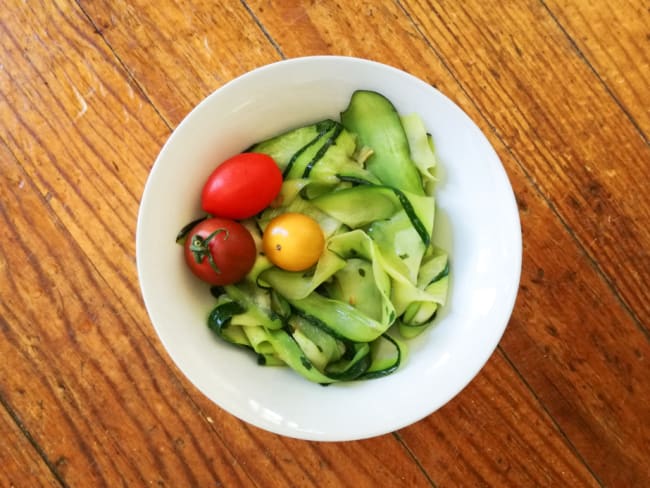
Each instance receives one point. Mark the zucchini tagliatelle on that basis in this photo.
(368, 180)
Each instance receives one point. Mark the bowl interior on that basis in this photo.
(477, 221)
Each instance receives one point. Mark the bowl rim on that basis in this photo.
(510, 201)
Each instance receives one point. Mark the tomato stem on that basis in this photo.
(200, 248)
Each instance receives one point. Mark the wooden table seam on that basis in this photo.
(550, 416)
(594, 263)
(415, 459)
(130, 75)
(264, 30)
(595, 72)
(576, 406)
(127, 71)
(30, 439)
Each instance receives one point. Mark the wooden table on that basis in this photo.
(89, 92)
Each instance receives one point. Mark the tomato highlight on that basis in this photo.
(220, 251)
(293, 241)
(241, 186)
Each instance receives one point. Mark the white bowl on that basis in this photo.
(477, 221)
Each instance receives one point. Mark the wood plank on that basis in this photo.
(560, 123)
(47, 77)
(613, 36)
(64, 158)
(494, 434)
(584, 356)
(273, 460)
(196, 46)
(602, 402)
(94, 395)
(386, 44)
(284, 445)
(85, 135)
(176, 49)
(634, 370)
(579, 350)
(19, 460)
(84, 400)
(372, 30)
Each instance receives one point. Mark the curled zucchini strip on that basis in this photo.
(342, 319)
(257, 304)
(418, 304)
(387, 354)
(421, 149)
(290, 352)
(295, 285)
(365, 289)
(367, 203)
(368, 182)
(300, 166)
(360, 205)
(377, 124)
(400, 249)
(285, 148)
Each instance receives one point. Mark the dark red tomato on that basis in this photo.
(242, 186)
(220, 251)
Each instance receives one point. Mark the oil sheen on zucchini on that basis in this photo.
(368, 180)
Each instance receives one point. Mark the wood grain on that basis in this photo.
(614, 37)
(273, 460)
(19, 458)
(89, 92)
(89, 388)
(560, 123)
(584, 357)
(69, 118)
(52, 79)
(185, 50)
(479, 438)
(372, 30)
(582, 403)
(114, 38)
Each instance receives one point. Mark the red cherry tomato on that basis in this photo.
(242, 186)
(220, 251)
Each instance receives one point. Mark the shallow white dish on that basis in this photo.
(477, 221)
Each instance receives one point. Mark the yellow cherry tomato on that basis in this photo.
(293, 241)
